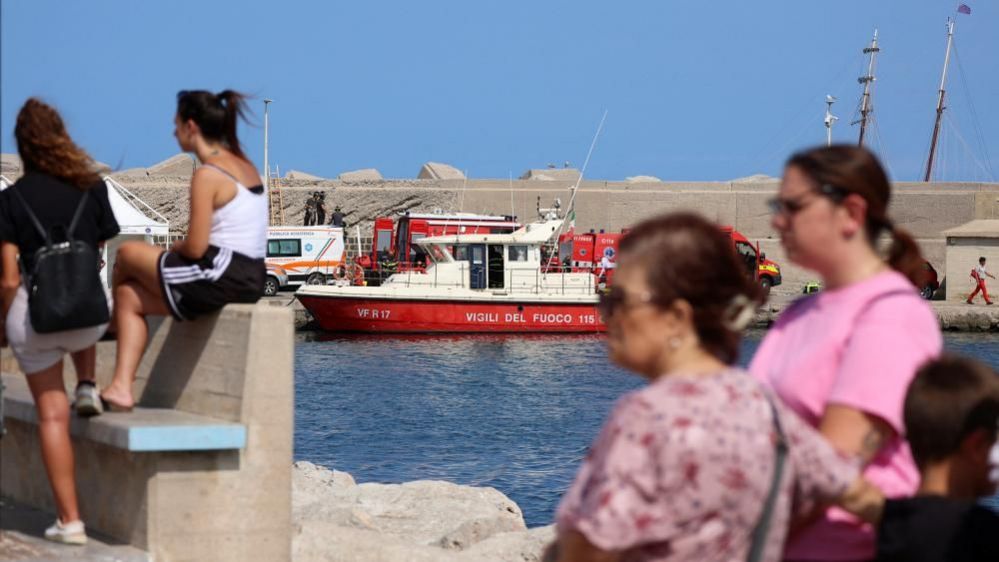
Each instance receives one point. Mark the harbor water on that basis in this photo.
(513, 412)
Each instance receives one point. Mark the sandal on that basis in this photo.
(110, 406)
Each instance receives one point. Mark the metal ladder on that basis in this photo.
(275, 202)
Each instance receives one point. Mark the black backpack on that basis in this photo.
(65, 291)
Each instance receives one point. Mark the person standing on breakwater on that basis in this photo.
(338, 218)
(701, 464)
(59, 188)
(843, 358)
(220, 261)
(978, 275)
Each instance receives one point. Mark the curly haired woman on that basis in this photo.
(59, 182)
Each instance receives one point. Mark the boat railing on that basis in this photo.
(553, 280)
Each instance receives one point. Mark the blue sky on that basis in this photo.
(693, 90)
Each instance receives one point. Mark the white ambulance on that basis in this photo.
(306, 254)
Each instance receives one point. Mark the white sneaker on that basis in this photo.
(88, 401)
(70, 533)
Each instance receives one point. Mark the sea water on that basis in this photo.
(513, 412)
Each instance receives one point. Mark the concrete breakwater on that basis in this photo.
(924, 209)
(337, 520)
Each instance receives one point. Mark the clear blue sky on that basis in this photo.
(693, 90)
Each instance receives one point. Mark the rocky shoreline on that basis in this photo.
(337, 520)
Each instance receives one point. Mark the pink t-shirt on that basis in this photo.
(857, 346)
(682, 468)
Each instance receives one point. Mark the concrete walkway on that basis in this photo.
(21, 531)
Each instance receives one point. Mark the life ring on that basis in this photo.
(340, 273)
(351, 272)
(356, 274)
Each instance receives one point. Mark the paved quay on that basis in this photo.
(953, 317)
(21, 531)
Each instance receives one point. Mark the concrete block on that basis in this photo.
(188, 505)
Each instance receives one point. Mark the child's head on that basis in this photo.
(952, 416)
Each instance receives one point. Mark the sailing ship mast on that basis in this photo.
(940, 101)
(865, 102)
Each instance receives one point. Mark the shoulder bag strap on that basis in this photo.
(759, 536)
(34, 220)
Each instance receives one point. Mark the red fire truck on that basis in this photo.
(597, 252)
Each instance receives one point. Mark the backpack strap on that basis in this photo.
(34, 220)
(38, 224)
(762, 529)
(76, 215)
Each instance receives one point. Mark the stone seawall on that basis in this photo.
(924, 209)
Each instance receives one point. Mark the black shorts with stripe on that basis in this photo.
(193, 288)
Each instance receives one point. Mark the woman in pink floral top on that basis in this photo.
(683, 467)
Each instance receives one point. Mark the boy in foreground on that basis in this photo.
(951, 415)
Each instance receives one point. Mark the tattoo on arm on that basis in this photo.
(872, 443)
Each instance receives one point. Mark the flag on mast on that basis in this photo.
(572, 221)
(964, 9)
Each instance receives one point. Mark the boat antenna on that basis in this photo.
(571, 213)
(940, 101)
(574, 189)
(866, 105)
(830, 118)
(513, 210)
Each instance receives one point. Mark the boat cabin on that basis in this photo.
(501, 263)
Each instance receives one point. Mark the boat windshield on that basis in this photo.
(437, 253)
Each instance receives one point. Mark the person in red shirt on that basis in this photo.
(979, 274)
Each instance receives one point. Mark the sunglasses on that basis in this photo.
(617, 299)
(791, 206)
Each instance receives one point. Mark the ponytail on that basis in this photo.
(855, 170)
(234, 104)
(215, 114)
(905, 257)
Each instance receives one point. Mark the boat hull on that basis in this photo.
(359, 314)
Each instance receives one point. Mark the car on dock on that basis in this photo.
(930, 282)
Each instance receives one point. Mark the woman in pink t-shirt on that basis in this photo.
(684, 467)
(843, 358)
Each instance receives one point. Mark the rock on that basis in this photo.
(10, 164)
(315, 541)
(131, 172)
(297, 175)
(476, 530)
(102, 168)
(755, 178)
(367, 174)
(551, 174)
(178, 165)
(522, 546)
(414, 521)
(438, 171)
